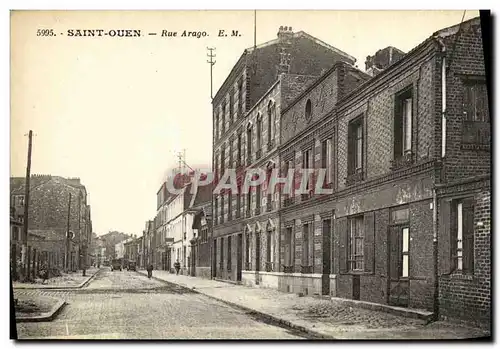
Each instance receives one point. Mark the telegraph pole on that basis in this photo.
(211, 55)
(66, 256)
(24, 249)
(79, 230)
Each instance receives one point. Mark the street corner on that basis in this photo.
(37, 309)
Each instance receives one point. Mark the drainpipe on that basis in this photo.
(434, 192)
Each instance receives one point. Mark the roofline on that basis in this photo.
(445, 32)
(236, 66)
(309, 36)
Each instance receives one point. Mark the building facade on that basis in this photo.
(246, 113)
(51, 199)
(406, 223)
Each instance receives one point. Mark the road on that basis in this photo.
(127, 305)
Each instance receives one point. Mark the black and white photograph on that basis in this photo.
(250, 174)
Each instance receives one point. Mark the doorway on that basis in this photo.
(239, 256)
(257, 257)
(214, 259)
(399, 241)
(327, 257)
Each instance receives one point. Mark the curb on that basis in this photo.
(49, 316)
(81, 285)
(271, 318)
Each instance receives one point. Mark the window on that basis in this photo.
(229, 253)
(307, 164)
(355, 146)
(231, 105)
(222, 160)
(270, 122)
(231, 153)
(249, 144)
(305, 244)
(269, 246)
(216, 210)
(229, 205)
(216, 166)
(405, 252)
(238, 156)
(257, 199)
(403, 115)
(289, 260)
(223, 125)
(462, 239)
(476, 127)
(238, 203)
(356, 244)
(240, 97)
(222, 208)
(216, 127)
(476, 101)
(308, 112)
(259, 135)
(249, 201)
(326, 159)
(221, 261)
(247, 254)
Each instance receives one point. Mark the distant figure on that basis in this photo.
(44, 272)
(177, 267)
(150, 271)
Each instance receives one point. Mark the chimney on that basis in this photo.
(382, 59)
(285, 33)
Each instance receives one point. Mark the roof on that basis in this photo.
(303, 34)
(300, 34)
(18, 184)
(442, 33)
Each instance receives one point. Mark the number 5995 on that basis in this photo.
(45, 32)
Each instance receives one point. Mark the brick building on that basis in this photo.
(408, 220)
(48, 217)
(246, 128)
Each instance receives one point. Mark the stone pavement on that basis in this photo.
(320, 317)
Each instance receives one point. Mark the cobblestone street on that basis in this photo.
(127, 305)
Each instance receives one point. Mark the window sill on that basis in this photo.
(354, 178)
(458, 275)
(404, 161)
(475, 146)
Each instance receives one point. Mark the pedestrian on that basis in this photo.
(177, 267)
(150, 271)
(44, 272)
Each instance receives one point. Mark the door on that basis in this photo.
(327, 257)
(239, 256)
(399, 238)
(257, 257)
(214, 259)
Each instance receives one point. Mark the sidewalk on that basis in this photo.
(67, 280)
(323, 318)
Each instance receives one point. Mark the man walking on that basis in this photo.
(150, 271)
(177, 267)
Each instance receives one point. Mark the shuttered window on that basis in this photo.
(356, 244)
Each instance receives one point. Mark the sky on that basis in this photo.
(113, 111)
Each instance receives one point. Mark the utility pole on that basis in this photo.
(79, 230)
(211, 55)
(66, 256)
(24, 249)
(254, 29)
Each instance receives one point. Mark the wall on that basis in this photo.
(462, 296)
(468, 60)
